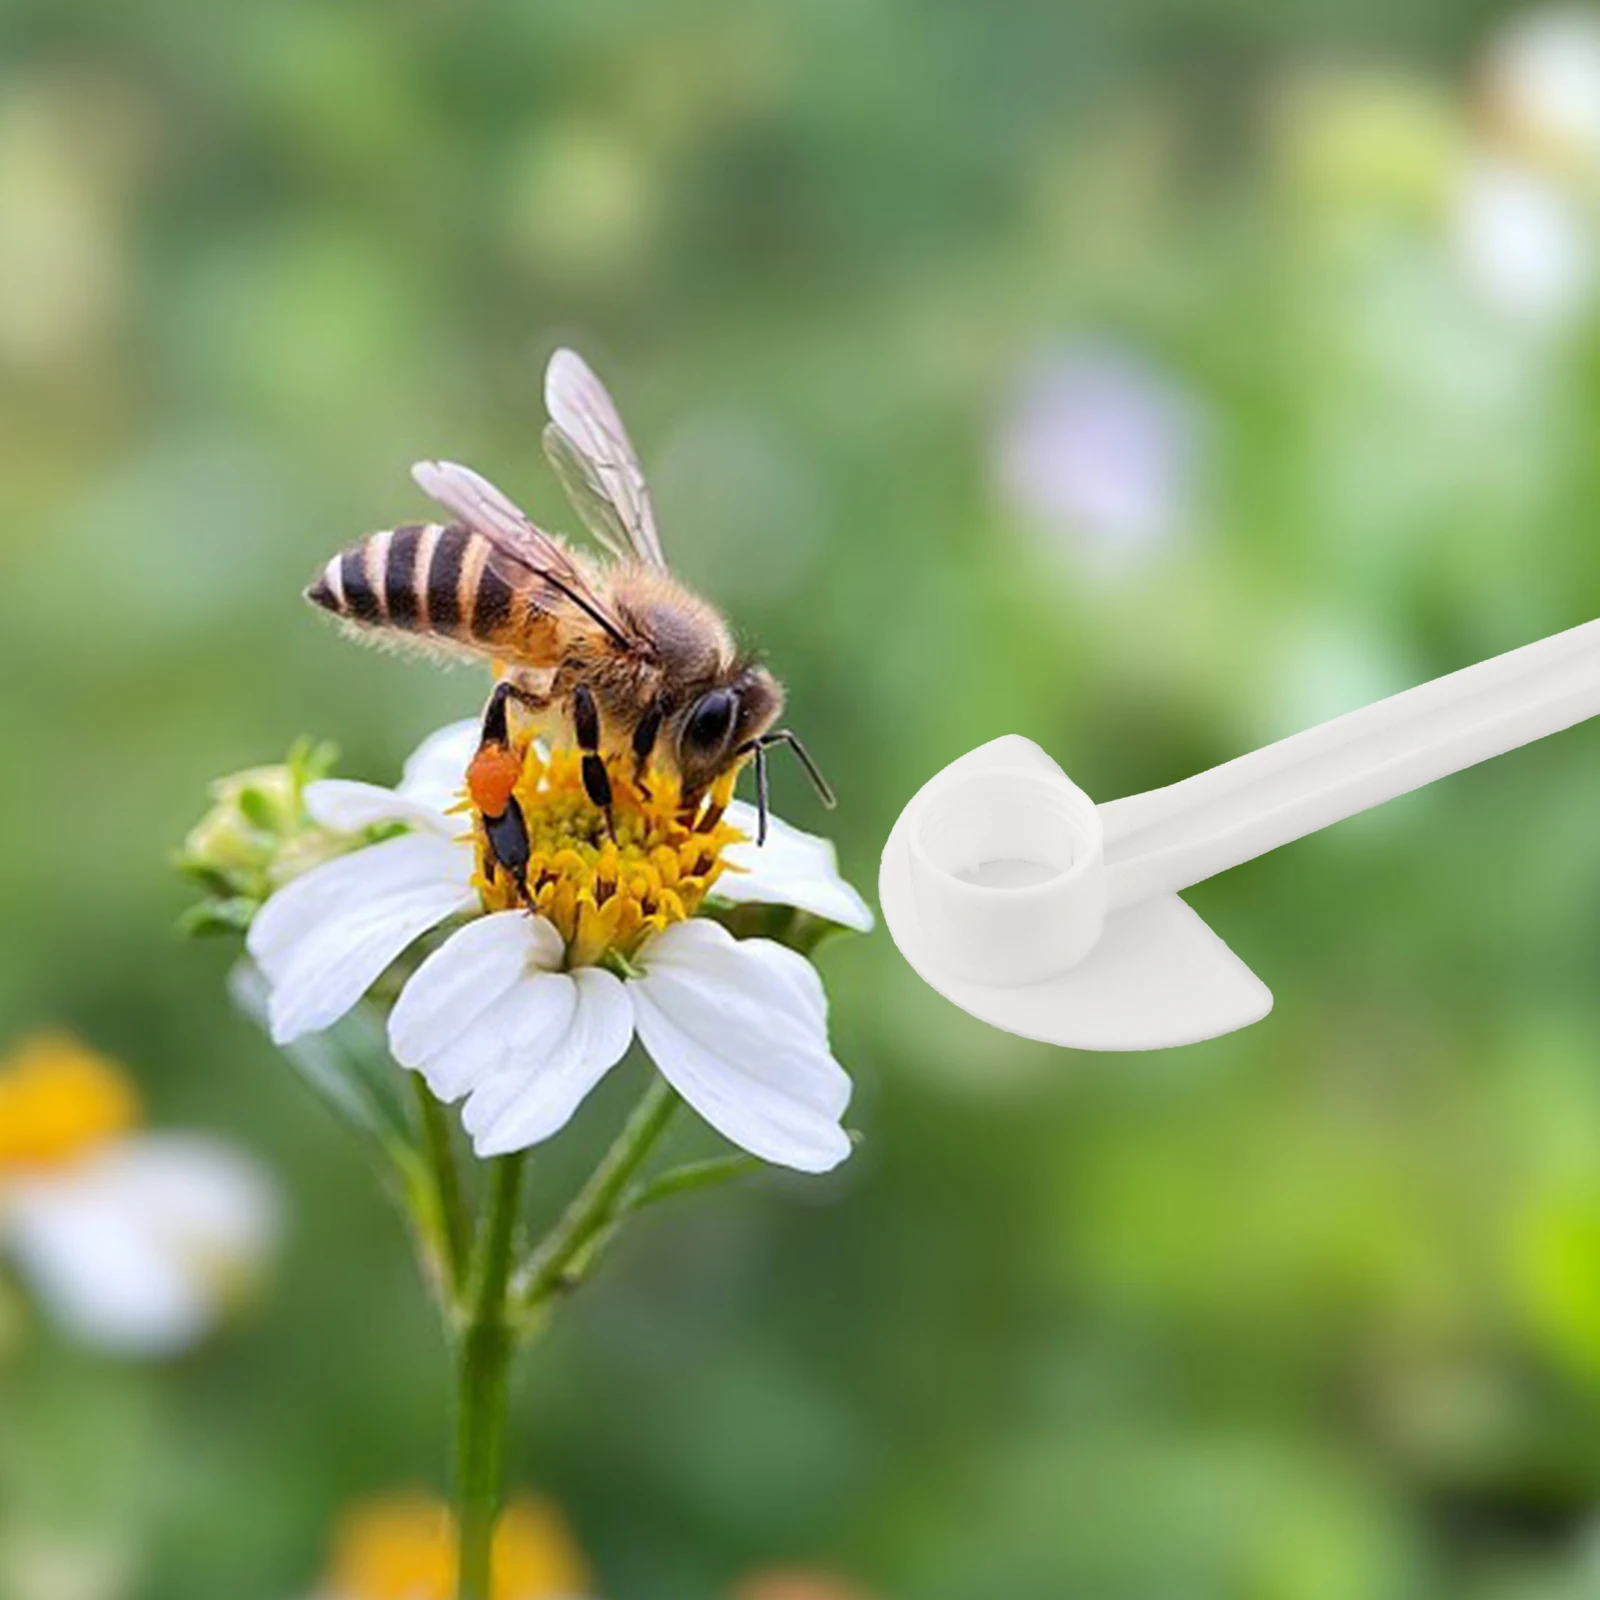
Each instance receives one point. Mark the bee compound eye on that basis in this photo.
(711, 719)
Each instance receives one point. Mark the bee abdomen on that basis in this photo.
(425, 578)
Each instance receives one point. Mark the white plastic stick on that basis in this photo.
(1017, 896)
(1170, 838)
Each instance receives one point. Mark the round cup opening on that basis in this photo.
(1002, 830)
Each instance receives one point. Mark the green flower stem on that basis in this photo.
(484, 1357)
(454, 1225)
(567, 1253)
(488, 1341)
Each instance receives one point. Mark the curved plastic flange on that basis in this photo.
(1154, 974)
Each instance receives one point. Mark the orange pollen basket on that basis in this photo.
(492, 778)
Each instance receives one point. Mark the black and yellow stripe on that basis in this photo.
(423, 578)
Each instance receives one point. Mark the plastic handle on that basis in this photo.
(1168, 839)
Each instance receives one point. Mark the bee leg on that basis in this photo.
(495, 729)
(596, 780)
(491, 781)
(757, 748)
(644, 741)
(597, 785)
(763, 798)
(508, 843)
(789, 737)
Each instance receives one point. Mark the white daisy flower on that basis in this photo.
(136, 1243)
(523, 1010)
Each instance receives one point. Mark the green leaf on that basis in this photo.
(689, 1179)
(204, 874)
(231, 914)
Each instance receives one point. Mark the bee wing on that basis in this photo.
(577, 478)
(517, 544)
(596, 462)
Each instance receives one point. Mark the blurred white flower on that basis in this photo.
(135, 1242)
(1524, 243)
(41, 1564)
(515, 1012)
(1542, 77)
(1099, 450)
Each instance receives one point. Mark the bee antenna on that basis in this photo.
(803, 756)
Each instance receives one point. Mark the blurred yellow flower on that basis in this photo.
(403, 1547)
(58, 1101)
(797, 1585)
(134, 1241)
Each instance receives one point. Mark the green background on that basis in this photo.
(1307, 1313)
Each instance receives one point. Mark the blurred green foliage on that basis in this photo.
(1309, 1313)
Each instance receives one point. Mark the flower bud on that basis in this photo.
(256, 836)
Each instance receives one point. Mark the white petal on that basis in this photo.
(752, 988)
(325, 938)
(432, 784)
(791, 869)
(793, 969)
(550, 1067)
(332, 889)
(740, 1034)
(488, 1044)
(436, 772)
(347, 807)
(139, 1248)
(469, 972)
(333, 970)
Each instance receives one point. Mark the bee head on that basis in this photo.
(721, 722)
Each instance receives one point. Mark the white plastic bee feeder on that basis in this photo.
(1014, 895)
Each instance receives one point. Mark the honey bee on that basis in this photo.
(611, 654)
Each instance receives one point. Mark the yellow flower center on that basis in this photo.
(58, 1101)
(404, 1548)
(609, 890)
